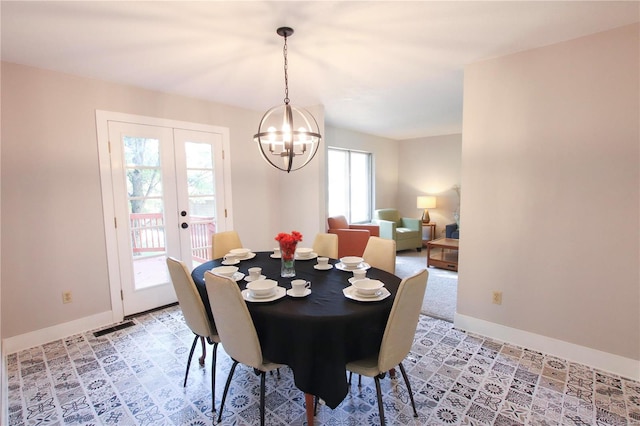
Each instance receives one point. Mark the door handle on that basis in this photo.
(184, 225)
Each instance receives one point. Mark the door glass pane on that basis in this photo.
(202, 205)
(338, 203)
(350, 188)
(146, 211)
(360, 193)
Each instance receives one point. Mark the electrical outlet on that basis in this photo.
(66, 297)
(497, 297)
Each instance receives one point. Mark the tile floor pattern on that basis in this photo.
(134, 377)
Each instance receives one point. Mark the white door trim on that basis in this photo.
(108, 205)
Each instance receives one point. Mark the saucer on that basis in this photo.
(278, 294)
(311, 256)
(275, 256)
(307, 291)
(237, 276)
(251, 255)
(249, 279)
(351, 293)
(230, 262)
(323, 267)
(343, 267)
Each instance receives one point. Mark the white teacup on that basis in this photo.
(262, 288)
(323, 261)
(298, 287)
(230, 258)
(254, 273)
(276, 251)
(359, 274)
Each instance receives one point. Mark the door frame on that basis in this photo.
(106, 184)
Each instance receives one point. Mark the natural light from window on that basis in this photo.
(350, 184)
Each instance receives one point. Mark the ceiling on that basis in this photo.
(387, 68)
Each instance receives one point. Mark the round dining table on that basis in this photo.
(317, 335)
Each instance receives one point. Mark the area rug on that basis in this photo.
(442, 285)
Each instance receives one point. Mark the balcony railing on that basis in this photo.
(147, 234)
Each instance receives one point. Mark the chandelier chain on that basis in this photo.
(286, 75)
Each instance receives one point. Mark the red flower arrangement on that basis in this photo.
(288, 244)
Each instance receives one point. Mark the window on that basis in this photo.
(350, 184)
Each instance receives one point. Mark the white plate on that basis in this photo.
(237, 276)
(249, 279)
(280, 292)
(323, 267)
(351, 293)
(275, 256)
(343, 267)
(230, 262)
(247, 257)
(311, 256)
(307, 291)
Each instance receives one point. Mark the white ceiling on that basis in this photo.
(387, 68)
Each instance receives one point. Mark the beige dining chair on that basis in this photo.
(222, 242)
(381, 253)
(237, 332)
(196, 318)
(326, 245)
(397, 338)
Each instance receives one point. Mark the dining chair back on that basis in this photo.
(195, 316)
(237, 332)
(222, 242)
(326, 245)
(397, 338)
(381, 253)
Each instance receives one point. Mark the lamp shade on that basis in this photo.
(426, 202)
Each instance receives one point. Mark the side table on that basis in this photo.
(432, 232)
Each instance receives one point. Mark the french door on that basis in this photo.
(168, 198)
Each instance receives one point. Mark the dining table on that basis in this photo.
(316, 335)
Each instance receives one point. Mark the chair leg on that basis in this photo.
(186, 373)
(379, 395)
(204, 351)
(213, 377)
(350, 374)
(262, 379)
(406, 381)
(226, 388)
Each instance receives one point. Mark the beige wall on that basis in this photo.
(385, 153)
(430, 166)
(550, 172)
(52, 224)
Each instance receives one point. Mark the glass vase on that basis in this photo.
(287, 260)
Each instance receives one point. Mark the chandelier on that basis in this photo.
(288, 136)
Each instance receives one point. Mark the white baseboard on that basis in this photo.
(621, 366)
(39, 337)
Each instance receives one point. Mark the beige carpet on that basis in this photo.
(442, 285)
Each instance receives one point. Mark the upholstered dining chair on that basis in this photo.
(326, 245)
(196, 318)
(222, 242)
(397, 338)
(381, 253)
(237, 332)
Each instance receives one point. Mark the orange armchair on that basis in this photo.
(352, 239)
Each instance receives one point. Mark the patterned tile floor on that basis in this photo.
(134, 377)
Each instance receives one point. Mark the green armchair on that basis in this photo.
(406, 231)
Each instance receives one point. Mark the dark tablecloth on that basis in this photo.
(318, 335)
